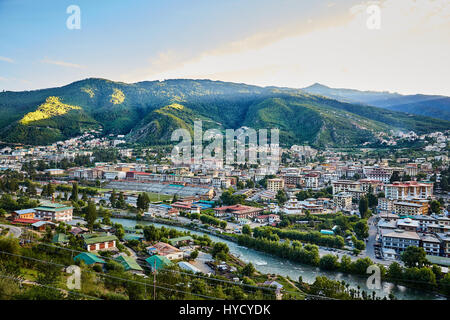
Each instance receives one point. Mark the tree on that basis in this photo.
(361, 229)
(394, 177)
(113, 198)
(329, 262)
(91, 215)
(248, 270)
(74, 195)
(363, 207)
(281, 197)
(246, 230)
(143, 201)
(435, 206)
(193, 255)
(414, 257)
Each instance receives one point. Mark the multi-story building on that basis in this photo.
(444, 238)
(399, 240)
(430, 244)
(343, 200)
(275, 184)
(54, 211)
(403, 208)
(409, 189)
(312, 181)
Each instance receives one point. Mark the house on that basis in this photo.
(268, 218)
(157, 262)
(23, 214)
(181, 240)
(189, 267)
(129, 264)
(42, 225)
(89, 258)
(55, 212)
(60, 238)
(343, 200)
(165, 250)
(94, 242)
(238, 211)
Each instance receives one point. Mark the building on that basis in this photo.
(268, 218)
(129, 264)
(385, 205)
(23, 214)
(275, 184)
(94, 243)
(343, 200)
(409, 190)
(312, 181)
(188, 267)
(165, 250)
(399, 240)
(408, 224)
(89, 258)
(55, 212)
(238, 211)
(444, 238)
(156, 262)
(430, 244)
(404, 208)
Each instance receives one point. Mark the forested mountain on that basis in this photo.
(147, 112)
(418, 104)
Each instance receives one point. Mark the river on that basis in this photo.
(267, 263)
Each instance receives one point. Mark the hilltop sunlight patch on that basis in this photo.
(50, 108)
(117, 97)
(89, 91)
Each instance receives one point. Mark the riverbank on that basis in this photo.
(269, 264)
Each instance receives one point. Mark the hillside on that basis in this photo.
(418, 104)
(147, 112)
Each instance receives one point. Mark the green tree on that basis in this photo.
(414, 257)
(248, 270)
(74, 194)
(363, 207)
(246, 230)
(91, 215)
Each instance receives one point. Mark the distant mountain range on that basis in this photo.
(420, 104)
(147, 112)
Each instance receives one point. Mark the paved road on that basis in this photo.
(15, 231)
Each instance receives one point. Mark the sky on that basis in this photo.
(388, 45)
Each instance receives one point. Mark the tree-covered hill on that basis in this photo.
(147, 112)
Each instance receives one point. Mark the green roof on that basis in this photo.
(53, 207)
(100, 239)
(89, 258)
(175, 240)
(93, 235)
(59, 238)
(443, 261)
(129, 237)
(129, 263)
(158, 262)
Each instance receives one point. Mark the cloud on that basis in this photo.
(6, 59)
(409, 54)
(62, 63)
(3, 79)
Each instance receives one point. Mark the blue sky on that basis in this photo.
(286, 42)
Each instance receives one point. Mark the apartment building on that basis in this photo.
(399, 240)
(409, 189)
(275, 184)
(343, 200)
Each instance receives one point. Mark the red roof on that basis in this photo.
(25, 221)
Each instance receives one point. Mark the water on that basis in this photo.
(267, 263)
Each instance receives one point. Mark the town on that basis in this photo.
(113, 203)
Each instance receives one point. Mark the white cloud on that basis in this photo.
(6, 59)
(62, 63)
(409, 54)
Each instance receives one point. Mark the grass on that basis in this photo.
(154, 197)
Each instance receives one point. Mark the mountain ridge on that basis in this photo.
(141, 111)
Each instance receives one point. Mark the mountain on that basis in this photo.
(418, 104)
(147, 112)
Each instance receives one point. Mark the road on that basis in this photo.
(15, 231)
